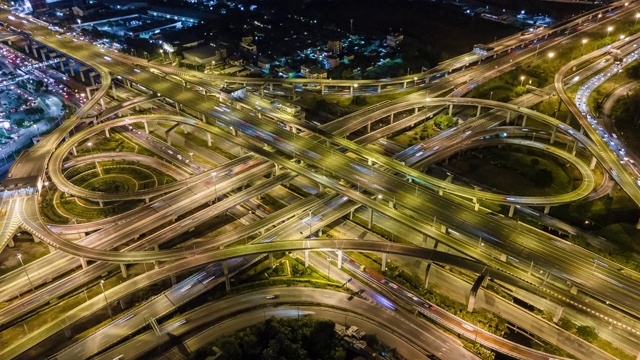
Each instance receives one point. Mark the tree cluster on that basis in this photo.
(284, 339)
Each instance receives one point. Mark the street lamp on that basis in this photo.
(637, 17)
(90, 149)
(551, 55)
(521, 80)
(609, 29)
(490, 96)
(191, 154)
(621, 37)
(25, 271)
(105, 299)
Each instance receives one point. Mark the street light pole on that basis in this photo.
(25, 271)
(105, 299)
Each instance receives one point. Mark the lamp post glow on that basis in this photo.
(551, 55)
(25, 271)
(521, 80)
(584, 42)
(637, 17)
(609, 29)
(90, 149)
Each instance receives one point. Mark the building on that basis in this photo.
(124, 4)
(248, 48)
(394, 39)
(85, 10)
(235, 60)
(145, 30)
(188, 17)
(316, 73)
(204, 55)
(330, 61)
(334, 46)
(264, 64)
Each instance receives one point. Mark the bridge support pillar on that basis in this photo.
(101, 203)
(476, 205)
(553, 136)
(383, 266)
(593, 163)
(558, 314)
(173, 279)
(234, 132)
(51, 249)
(547, 208)
(450, 109)
(339, 259)
(123, 269)
(113, 90)
(10, 243)
(271, 260)
(575, 147)
(638, 224)
(73, 151)
(83, 262)
(321, 89)
(227, 281)
(478, 112)
(306, 258)
(524, 120)
(178, 108)
(106, 132)
(379, 88)
(480, 281)
(508, 117)
(427, 274)
(370, 218)
(208, 139)
(88, 93)
(441, 191)
(392, 118)
(351, 90)
(368, 128)
(146, 127)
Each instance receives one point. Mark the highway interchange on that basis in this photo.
(346, 176)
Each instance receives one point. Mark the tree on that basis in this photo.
(567, 324)
(444, 122)
(542, 178)
(588, 333)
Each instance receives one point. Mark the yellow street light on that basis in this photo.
(551, 54)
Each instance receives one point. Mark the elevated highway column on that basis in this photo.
(383, 266)
(339, 259)
(225, 268)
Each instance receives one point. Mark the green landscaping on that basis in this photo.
(302, 338)
(515, 170)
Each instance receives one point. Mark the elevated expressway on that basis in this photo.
(602, 151)
(501, 46)
(186, 96)
(382, 208)
(177, 292)
(307, 159)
